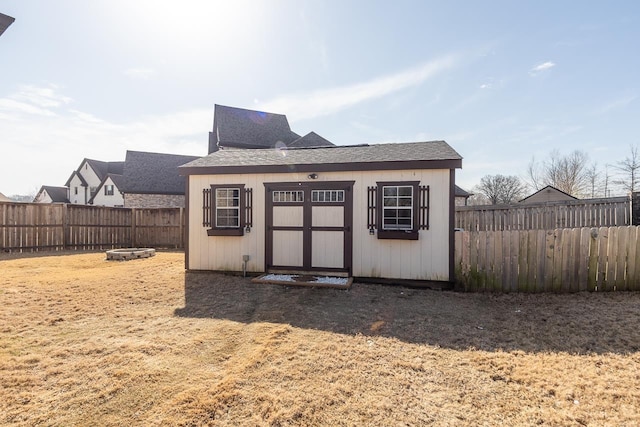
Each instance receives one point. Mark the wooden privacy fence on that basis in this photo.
(607, 212)
(41, 227)
(560, 260)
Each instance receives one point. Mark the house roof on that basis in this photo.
(83, 182)
(311, 139)
(241, 128)
(5, 21)
(418, 155)
(459, 192)
(57, 194)
(4, 198)
(153, 173)
(550, 189)
(102, 169)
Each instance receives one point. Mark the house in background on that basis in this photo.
(84, 181)
(152, 180)
(548, 194)
(249, 129)
(109, 192)
(373, 211)
(462, 196)
(50, 194)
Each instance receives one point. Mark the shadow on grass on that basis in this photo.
(575, 323)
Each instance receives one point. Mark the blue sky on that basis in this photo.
(500, 81)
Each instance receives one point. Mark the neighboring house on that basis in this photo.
(4, 198)
(373, 211)
(241, 128)
(151, 180)
(547, 194)
(50, 194)
(108, 192)
(84, 182)
(462, 196)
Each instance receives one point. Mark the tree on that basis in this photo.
(501, 189)
(629, 171)
(568, 173)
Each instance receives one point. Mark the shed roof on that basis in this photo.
(153, 173)
(418, 155)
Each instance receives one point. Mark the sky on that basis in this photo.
(501, 81)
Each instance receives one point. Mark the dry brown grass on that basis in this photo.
(84, 341)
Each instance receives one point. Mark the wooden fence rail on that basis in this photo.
(41, 227)
(608, 212)
(560, 260)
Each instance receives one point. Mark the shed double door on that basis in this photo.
(309, 226)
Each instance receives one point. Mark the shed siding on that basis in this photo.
(424, 259)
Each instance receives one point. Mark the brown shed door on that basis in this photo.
(309, 226)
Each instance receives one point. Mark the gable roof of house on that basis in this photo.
(5, 21)
(459, 192)
(550, 189)
(153, 173)
(424, 155)
(102, 169)
(83, 181)
(311, 139)
(117, 181)
(57, 194)
(4, 198)
(241, 128)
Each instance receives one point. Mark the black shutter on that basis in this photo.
(206, 207)
(371, 207)
(424, 207)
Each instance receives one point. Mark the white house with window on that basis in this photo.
(382, 211)
(109, 193)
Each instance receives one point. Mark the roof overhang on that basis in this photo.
(322, 167)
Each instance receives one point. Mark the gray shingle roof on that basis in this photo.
(336, 155)
(311, 139)
(103, 168)
(57, 194)
(153, 173)
(240, 128)
(5, 21)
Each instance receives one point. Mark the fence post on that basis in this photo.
(65, 227)
(133, 228)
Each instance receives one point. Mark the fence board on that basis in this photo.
(560, 260)
(38, 227)
(607, 212)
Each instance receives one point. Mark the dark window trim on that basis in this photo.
(420, 210)
(227, 231)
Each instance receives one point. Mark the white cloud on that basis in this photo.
(542, 67)
(43, 145)
(139, 73)
(328, 101)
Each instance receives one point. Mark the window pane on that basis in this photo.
(390, 191)
(405, 191)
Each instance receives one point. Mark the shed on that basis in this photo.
(383, 211)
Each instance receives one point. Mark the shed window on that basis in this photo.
(227, 210)
(398, 210)
(328, 196)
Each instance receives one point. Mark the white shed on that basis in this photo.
(383, 211)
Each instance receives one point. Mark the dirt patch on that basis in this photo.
(85, 341)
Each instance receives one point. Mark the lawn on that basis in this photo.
(85, 341)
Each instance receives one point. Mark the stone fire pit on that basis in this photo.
(126, 254)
